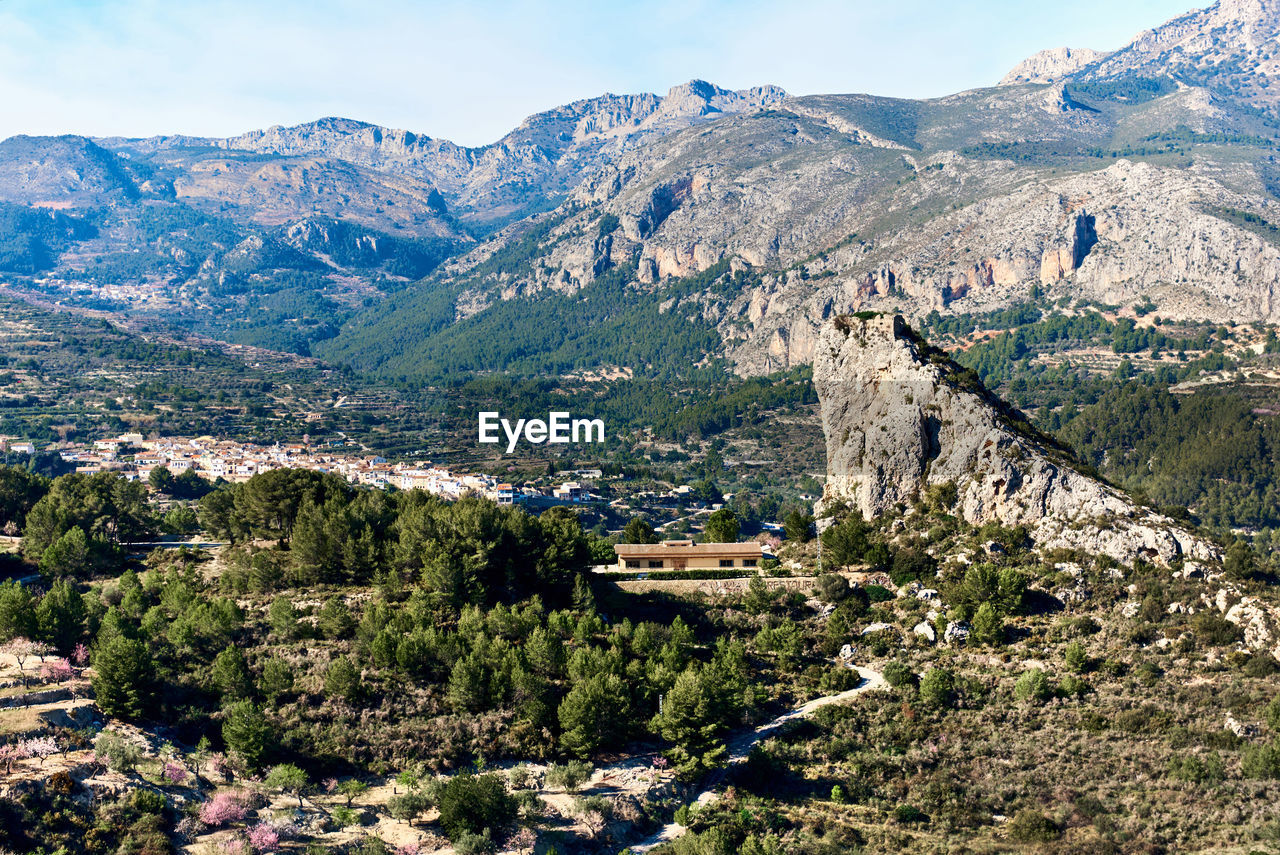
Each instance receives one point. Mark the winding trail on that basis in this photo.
(740, 746)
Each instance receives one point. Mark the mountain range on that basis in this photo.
(699, 226)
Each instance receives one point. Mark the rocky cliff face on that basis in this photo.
(900, 417)
(1130, 231)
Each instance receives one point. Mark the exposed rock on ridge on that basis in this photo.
(1229, 47)
(899, 416)
(548, 154)
(1050, 66)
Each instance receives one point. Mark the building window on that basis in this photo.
(726, 562)
(748, 562)
(633, 565)
(655, 565)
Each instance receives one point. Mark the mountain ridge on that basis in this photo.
(553, 147)
(1116, 184)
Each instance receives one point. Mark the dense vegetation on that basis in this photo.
(1210, 452)
(473, 621)
(608, 322)
(32, 239)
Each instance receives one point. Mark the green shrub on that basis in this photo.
(1074, 686)
(909, 815)
(1148, 673)
(831, 587)
(469, 843)
(1078, 627)
(469, 804)
(900, 676)
(1031, 826)
(937, 689)
(879, 593)
(1196, 770)
(1212, 628)
(569, 776)
(1261, 665)
(1262, 761)
(1144, 719)
(910, 565)
(344, 817)
(838, 678)
(1033, 686)
(148, 801)
(1272, 714)
(1077, 660)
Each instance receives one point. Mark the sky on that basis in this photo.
(471, 71)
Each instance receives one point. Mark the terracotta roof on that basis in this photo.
(683, 547)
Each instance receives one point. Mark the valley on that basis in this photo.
(927, 499)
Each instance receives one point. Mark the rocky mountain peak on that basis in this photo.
(1050, 66)
(899, 417)
(698, 97)
(1229, 47)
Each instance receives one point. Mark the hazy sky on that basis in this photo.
(469, 71)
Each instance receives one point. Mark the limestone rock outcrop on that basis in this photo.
(1050, 66)
(900, 416)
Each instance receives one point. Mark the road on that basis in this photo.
(741, 745)
(174, 544)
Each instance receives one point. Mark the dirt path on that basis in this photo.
(741, 745)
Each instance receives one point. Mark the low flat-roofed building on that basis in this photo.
(687, 555)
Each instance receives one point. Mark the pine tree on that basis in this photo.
(122, 677)
(247, 733)
(70, 555)
(17, 611)
(342, 680)
(584, 599)
(798, 526)
(723, 527)
(277, 679)
(988, 626)
(230, 673)
(283, 618)
(61, 616)
(638, 530)
(593, 714)
(689, 721)
(1076, 658)
(468, 684)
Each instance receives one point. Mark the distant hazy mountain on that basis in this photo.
(526, 170)
(1145, 174)
(658, 232)
(275, 236)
